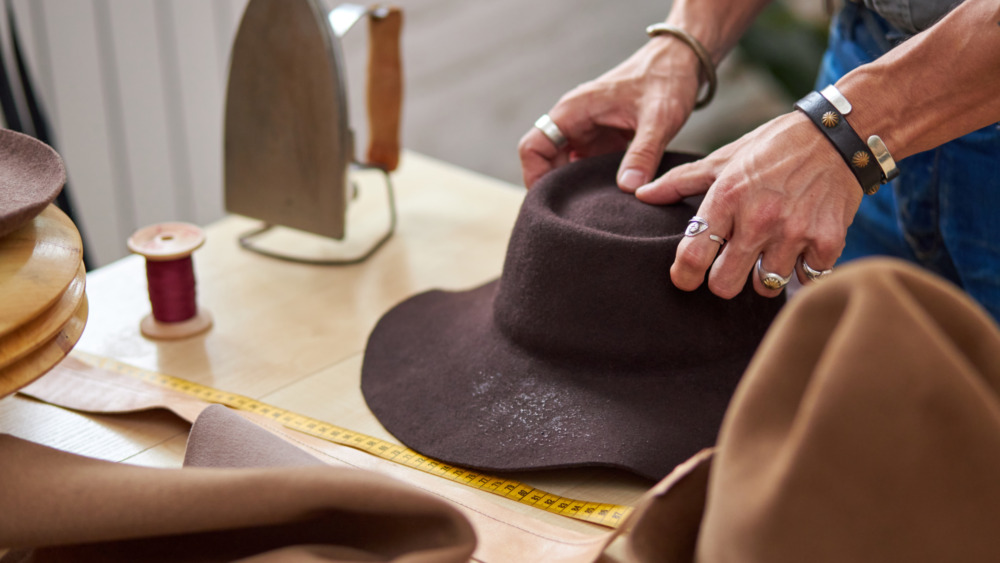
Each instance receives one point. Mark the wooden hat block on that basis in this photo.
(45, 309)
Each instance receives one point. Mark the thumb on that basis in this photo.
(679, 182)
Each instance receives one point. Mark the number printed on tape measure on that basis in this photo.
(610, 515)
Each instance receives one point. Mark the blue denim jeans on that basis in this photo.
(943, 211)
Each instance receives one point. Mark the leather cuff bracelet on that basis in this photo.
(831, 121)
(703, 56)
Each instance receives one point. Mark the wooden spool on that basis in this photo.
(165, 242)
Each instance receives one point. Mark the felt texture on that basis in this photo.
(31, 176)
(583, 353)
(237, 506)
(867, 428)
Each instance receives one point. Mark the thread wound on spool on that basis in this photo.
(170, 278)
(172, 289)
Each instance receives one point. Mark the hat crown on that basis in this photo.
(587, 279)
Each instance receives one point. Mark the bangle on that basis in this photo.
(828, 116)
(699, 50)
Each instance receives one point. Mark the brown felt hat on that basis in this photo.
(31, 176)
(866, 428)
(583, 353)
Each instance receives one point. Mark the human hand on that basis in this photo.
(644, 100)
(781, 192)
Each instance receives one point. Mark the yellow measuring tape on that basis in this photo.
(610, 515)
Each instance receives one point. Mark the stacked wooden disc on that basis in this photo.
(43, 306)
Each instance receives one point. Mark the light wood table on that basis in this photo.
(293, 335)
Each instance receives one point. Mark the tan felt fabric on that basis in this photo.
(503, 535)
(88, 510)
(867, 428)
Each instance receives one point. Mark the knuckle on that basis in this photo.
(522, 147)
(723, 288)
(688, 259)
(793, 230)
(829, 248)
(643, 152)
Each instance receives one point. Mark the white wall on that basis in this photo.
(135, 89)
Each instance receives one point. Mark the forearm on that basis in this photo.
(717, 24)
(937, 86)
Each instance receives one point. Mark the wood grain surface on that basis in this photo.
(36, 332)
(51, 352)
(39, 261)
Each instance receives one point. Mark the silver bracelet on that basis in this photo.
(699, 50)
(884, 159)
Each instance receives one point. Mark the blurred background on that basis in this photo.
(131, 92)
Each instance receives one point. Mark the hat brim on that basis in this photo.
(443, 380)
(31, 176)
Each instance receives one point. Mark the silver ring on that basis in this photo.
(551, 130)
(814, 274)
(696, 226)
(718, 239)
(770, 279)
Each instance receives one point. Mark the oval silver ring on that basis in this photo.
(770, 279)
(814, 274)
(551, 130)
(696, 226)
(718, 239)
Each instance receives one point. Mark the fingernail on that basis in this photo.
(642, 189)
(631, 179)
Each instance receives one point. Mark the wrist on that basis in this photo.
(876, 115)
(716, 24)
(867, 158)
(705, 62)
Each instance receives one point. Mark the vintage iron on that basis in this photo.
(288, 142)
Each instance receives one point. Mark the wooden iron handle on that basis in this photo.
(385, 88)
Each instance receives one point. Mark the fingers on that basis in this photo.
(695, 255)
(773, 269)
(539, 155)
(657, 125)
(779, 195)
(816, 262)
(630, 107)
(732, 249)
(729, 263)
(678, 183)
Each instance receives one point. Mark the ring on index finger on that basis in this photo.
(551, 130)
(697, 225)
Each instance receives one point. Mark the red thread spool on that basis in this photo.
(167, 248)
